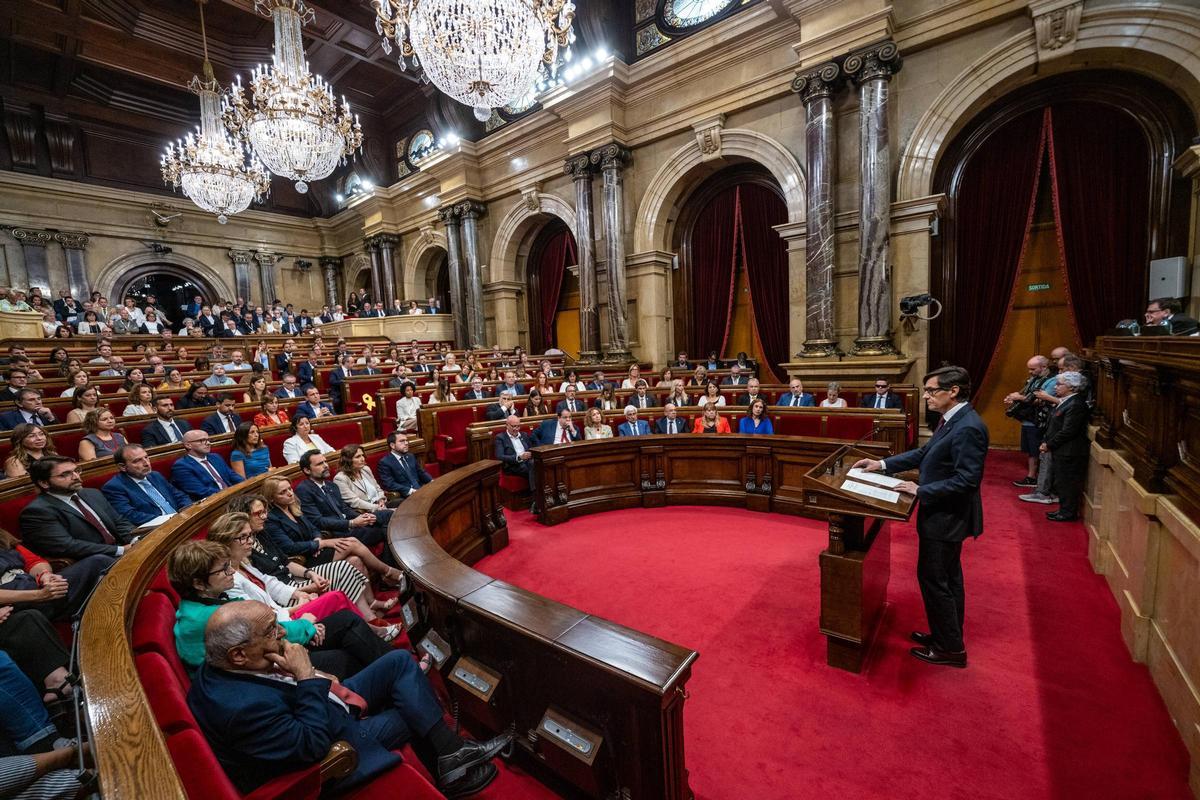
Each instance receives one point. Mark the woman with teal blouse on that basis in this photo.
(756, 420)
(249, 457)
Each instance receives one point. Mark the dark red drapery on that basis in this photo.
(993, 211)
(712, 274)
(1100, 177)
(766, 261)
(557, 254)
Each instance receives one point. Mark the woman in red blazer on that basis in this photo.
(710, 421)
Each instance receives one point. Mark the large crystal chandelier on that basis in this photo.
(293, 122)
(483, 53)
(213, 168)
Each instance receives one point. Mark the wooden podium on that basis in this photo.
(856, 565)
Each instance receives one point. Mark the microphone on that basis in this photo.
(837, 465)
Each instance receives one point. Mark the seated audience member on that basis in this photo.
(82, 403)
(535, 404)
(224, 419)
(607, 400)
(560, 430)
(32, 768)
(512, 448)
(165, 429)
(66, 520)
(270, 413)
(29, 641)
(201, 473)
(337, 378)
(399, 470)
(218, 378)
(796, 397)
(598, 381)
(29, 409)
(1168, 312)
(712, 362)
(306, 372)
(503, 409)
(883, 397)
(667, 381)
(510, 385)
(678, 396)
(572, 381)
(196, 397)
(832, 389)
(29, 443)
(476, 391)
(641, 396)
(712, 394)
(303, 440)
(356, 482)
(250, 456)
(134, 376)
(1067, 442)
(297, 534)
(710, 421)
(256, 389)
(312, 407)
(756, 420)
(103, 438)
(18, 379)
(751, 394)
(635, 374)
(699, 377)
(632, 426)
(441, 393)
(321, 500)
(304, 711)
(736, 377)
(137, 492)
(141, 401)
(289, 389)
(569, 402)
(670, 422)
(174, 381)
(407, 406)
(103, 353)
(594, 427)
(28, 581)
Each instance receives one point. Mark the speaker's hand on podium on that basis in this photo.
(908, 487)
(868, 465)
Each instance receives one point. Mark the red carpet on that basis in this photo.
(1051, 706)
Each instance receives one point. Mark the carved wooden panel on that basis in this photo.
(21, 130)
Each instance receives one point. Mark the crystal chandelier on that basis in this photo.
(483, 53)
(293, 122)
(212, 167)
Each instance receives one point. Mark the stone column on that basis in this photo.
(580, 169)
(74, 247)
(33, 247)
(872, 70)
(266, 270)
(470, 211)
(381, 246)
(816, 89)
(449, 218)
(330, 266)
(373, 248)
(241, 272)
(612, 159)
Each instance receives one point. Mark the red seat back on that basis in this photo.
(797, 424)
(848, 426)
(154, 632)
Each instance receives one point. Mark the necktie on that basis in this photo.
(36, 419)
(349, 697)
(879, 401)
(562, 434)
(633, 429)
(216, 476)
(154, 495)
(229, 426)
(670, 426)
(173, 431)
(93, 519)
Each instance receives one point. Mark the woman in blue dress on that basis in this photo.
(756, 420)
(250, 456)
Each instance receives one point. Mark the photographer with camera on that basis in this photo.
(1032, 413)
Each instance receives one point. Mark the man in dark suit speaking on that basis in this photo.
(951, 470)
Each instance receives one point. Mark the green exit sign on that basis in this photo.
(1038, 287)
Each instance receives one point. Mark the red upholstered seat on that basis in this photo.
(400, 782)
(513, 483)
(10, 511)
(160, 584)
(153, 632)
(841, 426)
(165, 693)
(450, 444)
(797, 424)
(851, 397)
(340, 434)
(199, 770)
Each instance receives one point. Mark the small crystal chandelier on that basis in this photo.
(213, 168)
(483, 53)
(293, 123)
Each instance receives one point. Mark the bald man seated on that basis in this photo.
(266, 711)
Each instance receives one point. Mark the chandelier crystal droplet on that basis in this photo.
(292, 122)
(483, 53)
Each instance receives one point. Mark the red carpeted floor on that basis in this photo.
(1051, 706)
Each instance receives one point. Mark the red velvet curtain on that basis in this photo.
(1100, 176)
(993, 211)
(766, 262)
(713, 257)
(557, 254)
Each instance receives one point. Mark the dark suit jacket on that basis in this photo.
(951, 465)
(890, 400)
(296, 538)
(207, 324)
(641, 402)
(547, 432)
(1066, 434)
(194, 480)
(324, 506)
(1182, 325)
(741, 380)
(153, 434)
(681, 425)
(283, 362)
(282, 393)
(643, 428)
(214, 425)
(336, 379)
(470, 395)
(135, 505)
(304, 373)
(518, 388)
(806, 400)
(54, 530)
(11, 419)
(507, 453)
(743, 399)
(393, 477)
(580, 405)
(496, 411)
(306, 410)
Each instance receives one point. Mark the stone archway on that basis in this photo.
(1167, 42)
(421, 261)
(514, 232)
(123, 270)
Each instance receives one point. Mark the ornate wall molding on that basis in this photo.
(425, 253)
(708, 136)
(516, 225)
(1057, 26)
(115, 272)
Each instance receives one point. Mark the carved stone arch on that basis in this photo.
(514, 233)
(1166, 48)
(424, 256)
(688, 166)
(354, 265)
(121, 271)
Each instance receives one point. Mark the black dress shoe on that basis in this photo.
(924, 639)
(1025, 482)
(1058, 516)
(932, 656)
(453, 767)
(475, 780)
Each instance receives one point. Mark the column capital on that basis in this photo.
(881, 60)
(382, 240)
(241, 256)
(32, 237)
(820, 82)
(470, 209)
(448, 215)
(265, 259)
(330, 262)
(612, 156)
(578, 167)
(72, 240)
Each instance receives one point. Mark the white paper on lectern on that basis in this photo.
(867, 490)
(874, 477)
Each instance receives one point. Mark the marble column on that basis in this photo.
(612, 159)
(241, 272)
(816, 89)
(266, 271)
(470, 211)
(74, 247)
(330, 266)
(372, 247)
(458, 303)
(33, 248)
(872, 70)
(384, 244)
(580, 169)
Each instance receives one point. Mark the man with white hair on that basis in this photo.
(632, 426)
(512, 448)
(1066, 440)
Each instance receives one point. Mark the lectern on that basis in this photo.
(856, 565)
